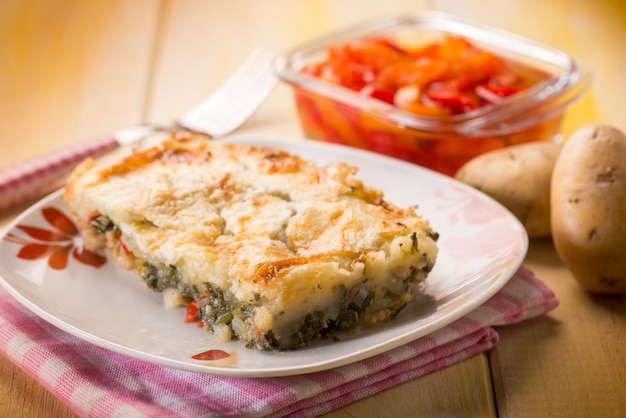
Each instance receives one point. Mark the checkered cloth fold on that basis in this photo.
(96, 382)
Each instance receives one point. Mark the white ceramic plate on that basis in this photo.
(481, 247)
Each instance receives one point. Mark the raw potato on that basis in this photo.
(589, 208)
(519, 178)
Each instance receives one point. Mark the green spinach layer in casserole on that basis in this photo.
(259, 244)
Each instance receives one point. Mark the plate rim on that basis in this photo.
(504, 275)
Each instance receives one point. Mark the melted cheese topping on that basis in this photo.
(268, 228)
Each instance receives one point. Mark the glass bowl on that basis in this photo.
(333, 113)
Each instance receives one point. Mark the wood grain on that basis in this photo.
(570, 363)
(461, 390)
(22, 396)
(71, 70)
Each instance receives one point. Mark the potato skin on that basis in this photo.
(518, 177)
(589, 208)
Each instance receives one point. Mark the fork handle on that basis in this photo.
(43, 174)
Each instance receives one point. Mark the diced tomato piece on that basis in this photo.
(192, 312)
(417, 73)
(377, 93)
(125, 248)
(211, 355)
(453, 75)
(388, 42)
(479, 66)
(122, 246)
(428, 110)
(384, 95)
(502, 91)
(431, 51)
(460, 83)
(374, 55)
(450, 97)
(93, 215)
(454, 48)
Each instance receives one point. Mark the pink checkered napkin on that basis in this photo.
(95, 382)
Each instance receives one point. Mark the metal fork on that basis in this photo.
(220, 114)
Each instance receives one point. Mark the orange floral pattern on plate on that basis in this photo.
(56, 244)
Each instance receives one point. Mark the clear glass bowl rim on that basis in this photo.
(507, 116)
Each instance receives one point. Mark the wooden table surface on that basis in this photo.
(72, 69)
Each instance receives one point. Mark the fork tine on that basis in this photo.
(230, 105)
